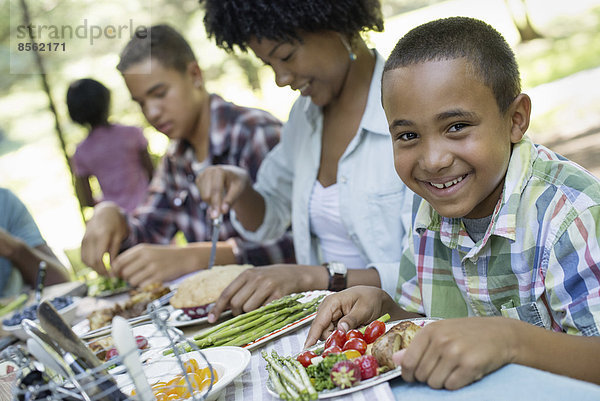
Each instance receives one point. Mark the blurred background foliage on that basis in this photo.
(552, 39)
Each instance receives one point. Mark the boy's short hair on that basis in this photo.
(88, 102)
(160, 42)
(461, 37)
(235, 22)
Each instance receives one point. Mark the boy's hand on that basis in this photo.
(349, 309)
(105, 232)
(221, 186)
(455, 352)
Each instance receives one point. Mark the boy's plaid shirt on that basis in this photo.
(542, 246)
(238, 136)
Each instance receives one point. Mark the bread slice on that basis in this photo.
(205, 286)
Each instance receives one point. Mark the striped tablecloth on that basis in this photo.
(251, 384)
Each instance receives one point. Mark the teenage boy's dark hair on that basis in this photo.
(160, 42)
(460, 37)
(235, 22)
(88, 102)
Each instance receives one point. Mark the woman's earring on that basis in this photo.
(347, 46)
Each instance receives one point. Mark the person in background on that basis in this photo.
(163, 77)
(332, 174)
(22, 248)
(117, 155)
(505, 243)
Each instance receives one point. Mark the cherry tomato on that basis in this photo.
(357, 344)
(354, 334)
(305, 358)
(141, 342)
(338, 337)
(111, 353)
(374, 330)
(334, 349)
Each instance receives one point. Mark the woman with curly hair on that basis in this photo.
(332, 174)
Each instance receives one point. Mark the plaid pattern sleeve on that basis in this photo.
(239, 136)
(539, 256)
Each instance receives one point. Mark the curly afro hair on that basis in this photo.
(234, 22)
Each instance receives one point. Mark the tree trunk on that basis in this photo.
(520, 16)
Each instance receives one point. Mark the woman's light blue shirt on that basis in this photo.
(375, 205)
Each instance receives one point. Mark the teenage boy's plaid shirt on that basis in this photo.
(239, 136)
(541, 247)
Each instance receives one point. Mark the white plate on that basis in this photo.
(179, 319)
(229, 362)
(365, 383)
(308, 296)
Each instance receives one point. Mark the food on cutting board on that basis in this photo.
(204, 287)
(135, 306)
(177, 387)
(396, 338)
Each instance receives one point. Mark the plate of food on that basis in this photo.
(346, 362)
(102, 286)
(253, 329)
(99, 321)
(165, 375)
(65, 305)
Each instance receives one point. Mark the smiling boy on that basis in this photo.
(505, 228)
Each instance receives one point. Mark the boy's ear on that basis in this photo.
(520, 113)
(193, 69)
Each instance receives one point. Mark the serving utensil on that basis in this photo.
(78, 356)
(39, 285)
(216, 226)
(127, 347)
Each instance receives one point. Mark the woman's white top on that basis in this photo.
(327, 225)
(374, 204)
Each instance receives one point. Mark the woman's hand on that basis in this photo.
(455, 352)
(260, 285)
(221, 186)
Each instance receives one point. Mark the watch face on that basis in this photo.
(337, 268)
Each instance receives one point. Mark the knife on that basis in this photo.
(216, 226)
(39, 285)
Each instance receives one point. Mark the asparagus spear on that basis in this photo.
(287, 377)
(312, 393)
(279, 388)
(248, 316)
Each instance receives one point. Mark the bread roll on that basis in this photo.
(398, 337)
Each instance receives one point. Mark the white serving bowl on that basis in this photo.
(68, 313)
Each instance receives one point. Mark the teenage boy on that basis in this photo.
(505, 228)
(163, 77)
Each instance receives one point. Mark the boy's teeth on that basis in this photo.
(447, 184)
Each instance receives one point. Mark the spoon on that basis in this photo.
(126, 345)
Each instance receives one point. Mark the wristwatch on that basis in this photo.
(338, 280)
